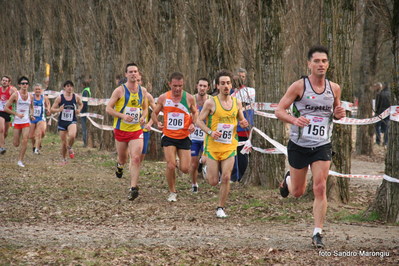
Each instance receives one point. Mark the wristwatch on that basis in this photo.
(209, 132)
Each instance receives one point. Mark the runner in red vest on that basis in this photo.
(5, 93)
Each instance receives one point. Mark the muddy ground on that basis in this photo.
(79, 215)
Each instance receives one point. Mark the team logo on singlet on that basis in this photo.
(134, 102)
(3, 97)
(317, 119)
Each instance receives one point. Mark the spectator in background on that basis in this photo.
(243, 75)
(86, 93)
(247, 96)
(382, 102)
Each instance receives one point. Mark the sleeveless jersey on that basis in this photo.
(198, 134)
(22, 107)
(177, 117)
(224, 121)
(130, 104)
(318, 107)
(68, 115)
(38, 108)
(4, 97)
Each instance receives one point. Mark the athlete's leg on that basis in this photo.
(2, 131)
(227, 167)
(185, 159)
(212, 174)
(193, 169)
(40, 132)
(64, 140)
(170, 157)
(297, 182)
(320, 174)
(135, 148)
(32, 134)
(83, 123)
(16, 137)
(71, 134)
(6, 128)
(24, 144)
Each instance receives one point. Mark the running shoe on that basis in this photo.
(64, 162)
(316, 241)
(220, 213)
(37, 152)
(133, 193)
(2, 151)
(71, 153)
(199, 168)
(21, 164)
(284, 187)
(33, 149)
(172, 197)
(119, 170)
(204, 171)
(194, 189)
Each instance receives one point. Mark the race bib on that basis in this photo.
(2, 105)
(175, 121)
(317, 129)
(198, 134)
(135, 113)
(67, 115)
(37, 110)
(227, 133)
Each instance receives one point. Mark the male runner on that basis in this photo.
(221, 112)
(65, 104)
(179, 111)
(316, 101)
(128, 106)
(5, 118)
(22, 115)
(198, 135)
(148, 121)
(41, 108)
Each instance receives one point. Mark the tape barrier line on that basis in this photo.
(366, 121)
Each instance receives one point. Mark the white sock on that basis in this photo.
(288, 178)
(317, 230)
(195, 185)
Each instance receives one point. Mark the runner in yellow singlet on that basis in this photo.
(221, 112)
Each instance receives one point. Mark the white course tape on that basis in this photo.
(394, 113)
(366, 121)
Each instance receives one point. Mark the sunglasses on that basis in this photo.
(24, 83)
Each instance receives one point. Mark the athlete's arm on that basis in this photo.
(194, 112)
(339, 111)
(294, 91)
(241, 118)
(47, 105)
(80, 104)
(144, 107)
(32, 110)
(152, 104)
(157, 110)
(116, 95)
(208, 108)
(12, 99)
(56, 104)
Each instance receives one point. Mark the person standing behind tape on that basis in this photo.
(382, 102)
(86, 93)
(247, 97)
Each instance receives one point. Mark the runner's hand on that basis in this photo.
(191, 128)
(216, 134)
(160, 126)
(142, 121)
(243, 123)
(339, 112)
(301, 121)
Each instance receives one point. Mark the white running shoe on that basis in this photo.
(37, 152)
(220, 213)
(21, 164)
(172, 197)
(204, 171)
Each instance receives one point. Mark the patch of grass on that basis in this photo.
(358, 217)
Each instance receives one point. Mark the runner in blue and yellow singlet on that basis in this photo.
(128, 106)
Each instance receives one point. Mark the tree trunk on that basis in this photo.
(368, 68)
(386, 203)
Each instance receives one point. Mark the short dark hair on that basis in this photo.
(22, 78)
(176, 75)
(129, 65)
(204, 79)
(68, 82)
(9, 77)
(223, 73)
(315, 49)
(86, 83)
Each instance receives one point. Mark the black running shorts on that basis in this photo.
(6, 116)
(300, 157)
(180, 144)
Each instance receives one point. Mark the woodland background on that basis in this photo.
(268, 38)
